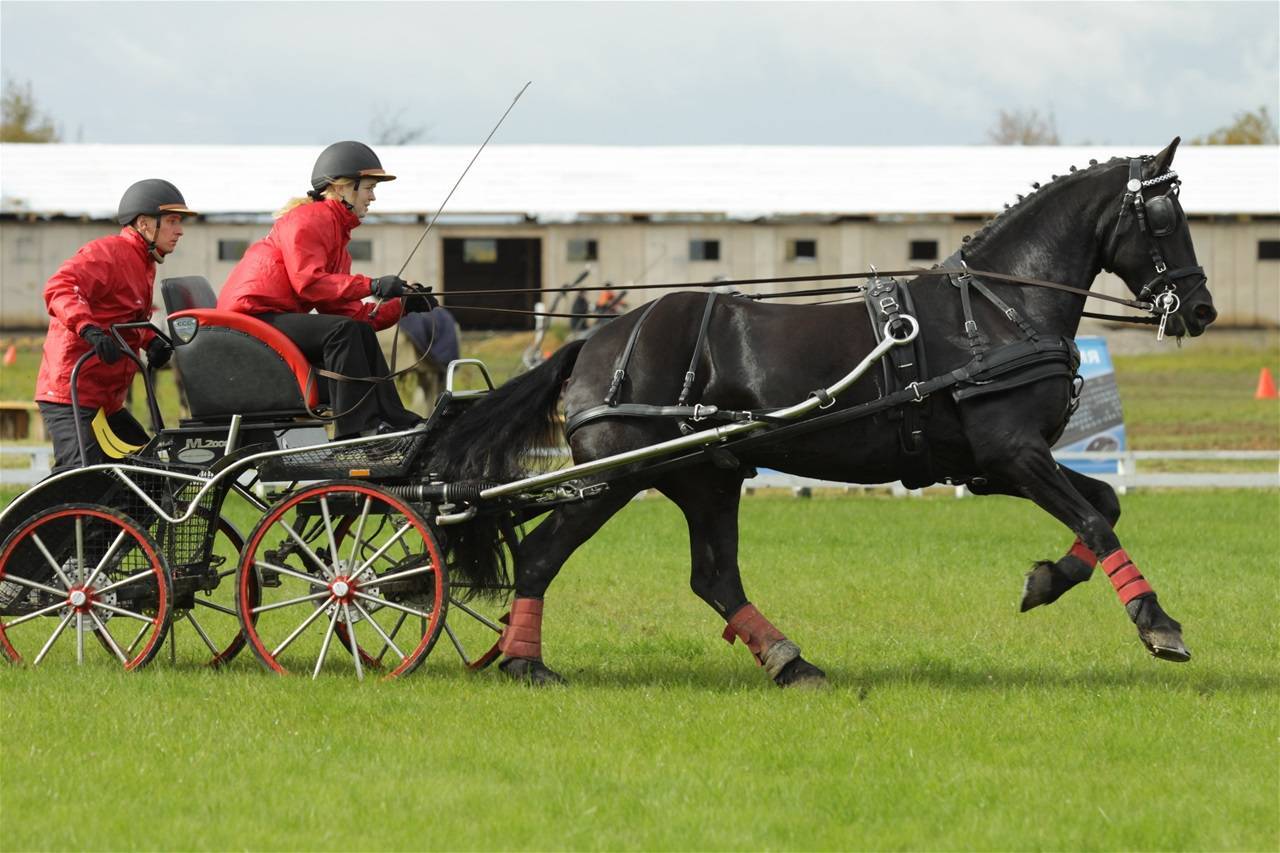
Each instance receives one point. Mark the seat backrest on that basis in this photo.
(186, 292)
(234, 364)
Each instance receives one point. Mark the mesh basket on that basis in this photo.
(388, 457)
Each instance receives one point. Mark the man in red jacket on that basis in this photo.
(109, 280)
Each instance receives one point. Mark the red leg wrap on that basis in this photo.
(1081, 552)
(1125, 577)
(749, 625)
(523, 636)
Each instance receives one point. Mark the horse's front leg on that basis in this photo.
(1048, 580)
(1028, 463)
(709, 500)
(538, 560)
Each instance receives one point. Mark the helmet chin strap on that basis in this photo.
(152, 249)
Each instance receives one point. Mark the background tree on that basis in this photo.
(1248, 128)
(389, 128)
(20, 119)
(1024, 127)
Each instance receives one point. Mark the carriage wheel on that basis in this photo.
(211, 623)
(82, 569)
(346, 563)
(476, 617)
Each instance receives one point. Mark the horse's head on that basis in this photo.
(1149, 246)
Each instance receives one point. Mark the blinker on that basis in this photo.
(1162, 217)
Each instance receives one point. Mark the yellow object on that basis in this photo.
(111, 444)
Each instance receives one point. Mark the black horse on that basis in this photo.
(994, 436)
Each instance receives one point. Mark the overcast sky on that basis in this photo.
(852, 73)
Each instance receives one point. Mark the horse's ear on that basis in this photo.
(1160, 163)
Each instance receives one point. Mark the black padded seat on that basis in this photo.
(186, 292)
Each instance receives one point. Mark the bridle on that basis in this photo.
(1157, 218)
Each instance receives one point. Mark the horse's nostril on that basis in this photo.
(1205, 314)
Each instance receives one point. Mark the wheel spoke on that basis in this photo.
(142, 632)
(382, 602)
(278, 604)
(355, 541)
(381, 579)
(79, 552)
(314, 581)
(60, 593)
(324, 646)
(217, 607)
(484, 620)
(297, 632)
(62, 576)
(302, 543)
(66, 620)
(200, 630)
(328, 529)
(457, 644)
(124, 612)
(376, 554)
(79, 635)
(387, 642)
(34, 614)
(351, 641)
(111, 552)
(107, 638)
(145, 573)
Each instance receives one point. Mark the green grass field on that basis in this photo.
(951, 722)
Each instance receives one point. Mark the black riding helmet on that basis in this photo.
(151, 197)
(353, 160)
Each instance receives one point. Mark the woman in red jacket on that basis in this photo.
(303, 264)
(109, 280)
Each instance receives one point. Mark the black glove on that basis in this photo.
(387, 287)
(107, 348)
(419, 303)
(158, 353)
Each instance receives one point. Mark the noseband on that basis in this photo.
(1157, 218)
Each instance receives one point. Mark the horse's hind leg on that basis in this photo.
(1029, 464)
(709, 500)
(538, 560)
(1048, 580)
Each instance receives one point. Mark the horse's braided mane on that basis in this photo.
(992, 227)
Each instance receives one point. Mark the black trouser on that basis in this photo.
(349, 347)
(60, 426)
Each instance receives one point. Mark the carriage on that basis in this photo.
(377, 546)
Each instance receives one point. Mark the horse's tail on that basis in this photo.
(492, 439)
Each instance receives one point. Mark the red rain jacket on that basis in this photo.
(303, 264)
(109, 280)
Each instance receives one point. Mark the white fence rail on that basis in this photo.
(1128, 475)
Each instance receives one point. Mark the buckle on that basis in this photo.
(914, 388)
(888, 305)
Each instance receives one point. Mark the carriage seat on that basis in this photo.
(232, 363)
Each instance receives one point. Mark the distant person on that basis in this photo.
(304, 264)
(109, 280)
(436, 335)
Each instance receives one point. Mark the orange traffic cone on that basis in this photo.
(1266, 385)
(11, 358)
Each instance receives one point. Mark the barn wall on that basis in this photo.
(1246, 290)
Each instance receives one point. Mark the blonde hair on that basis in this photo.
(332, 191)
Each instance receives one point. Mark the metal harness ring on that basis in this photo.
(909, 337)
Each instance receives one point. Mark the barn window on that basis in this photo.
(583, 250)
(1269, 250)
(802, 250)
(923, 250)
(479, 251)
(704, 250)
(232, 250)
(361, 250)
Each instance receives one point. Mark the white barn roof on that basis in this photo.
(558, 182)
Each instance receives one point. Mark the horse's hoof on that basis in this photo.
(531, 671)
(800, 673)
(1046, 582)
(1165, 644)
